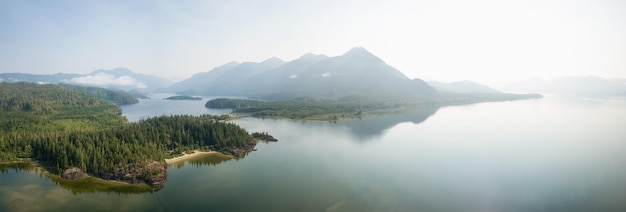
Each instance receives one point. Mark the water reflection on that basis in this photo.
(6, 167)
(94, 185)
(539, 155)
(206, 160)
(80, 186)
(370, 127)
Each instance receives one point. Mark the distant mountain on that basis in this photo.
(267, 82)
(201, 82)
(590, 86)
(462, 87)
(119, 78)
(123, 79)
(357, 73)
(36, 78)
(228, 79)
(235, 80)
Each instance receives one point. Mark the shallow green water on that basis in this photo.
(537, 155)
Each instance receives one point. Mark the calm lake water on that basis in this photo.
(551, 154)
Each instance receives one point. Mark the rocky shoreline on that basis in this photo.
(240, 152)
(154, 173)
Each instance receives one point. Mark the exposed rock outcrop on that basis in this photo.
(271, 138)
(73, 174)
(156, 173)
(241, 152)
(153, 173)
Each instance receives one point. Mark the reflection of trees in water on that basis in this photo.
(92, 185)
(208, 160)
(96, 185)
(25, 167)
(372, 126)
(80, 186)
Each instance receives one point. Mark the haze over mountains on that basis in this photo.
(118, 78)
(589, 86)
(356, 73)
(462, 87)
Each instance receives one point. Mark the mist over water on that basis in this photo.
(551, 154)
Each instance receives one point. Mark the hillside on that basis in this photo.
(37, 108)
(199, 83)
(117, 97)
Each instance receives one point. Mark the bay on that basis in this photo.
(551, 154)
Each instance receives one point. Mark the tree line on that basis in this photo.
(127, 147)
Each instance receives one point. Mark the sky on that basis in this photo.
(446, 40)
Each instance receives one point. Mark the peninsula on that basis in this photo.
(183, 97)
(73, 134)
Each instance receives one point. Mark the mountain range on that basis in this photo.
(357, 73)
(118, 78)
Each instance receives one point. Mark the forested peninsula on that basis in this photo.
(73, 134)
(183, 97)
(312, 108)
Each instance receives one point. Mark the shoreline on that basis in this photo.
(77, 186)
(186, 156)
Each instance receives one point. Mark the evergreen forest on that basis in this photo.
(62, 129)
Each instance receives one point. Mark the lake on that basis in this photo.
(551, 154)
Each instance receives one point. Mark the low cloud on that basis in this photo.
(293, 76)
(103, 79)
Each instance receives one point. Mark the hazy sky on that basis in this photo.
(479, 40)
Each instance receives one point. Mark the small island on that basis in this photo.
(183, 97)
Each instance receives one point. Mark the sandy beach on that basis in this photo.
(196, 153)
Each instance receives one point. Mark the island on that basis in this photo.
(75, 136)
(183, 97)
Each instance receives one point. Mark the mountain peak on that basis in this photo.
(357, 50)
(273, 60)
(307, 55)
(360, 52)
(312, 57)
